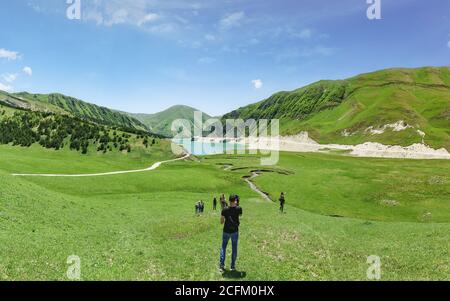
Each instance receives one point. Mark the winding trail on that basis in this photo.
(255, 188)
(248, 180)
(153, 167)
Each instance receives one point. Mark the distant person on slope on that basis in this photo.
(215, 204)
(202, 206)
(230, 220)
(197, 208)
(223, 202)
(282, 202)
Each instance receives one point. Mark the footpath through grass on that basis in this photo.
(37, 159)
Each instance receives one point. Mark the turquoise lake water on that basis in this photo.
(209, 148)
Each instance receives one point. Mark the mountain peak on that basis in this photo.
(161, 122)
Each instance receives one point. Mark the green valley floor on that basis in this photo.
(142, 226)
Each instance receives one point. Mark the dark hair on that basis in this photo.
(234, 198)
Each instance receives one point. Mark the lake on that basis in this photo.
(202, 148)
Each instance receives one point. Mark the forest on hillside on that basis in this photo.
(55, 131)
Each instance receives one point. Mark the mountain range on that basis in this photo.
(394, 106)
(61, 104)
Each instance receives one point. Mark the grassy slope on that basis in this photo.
(141, 226)
(365, 188)
(420, 97)
(161, 123)
(59, 103)
(15, 101)
(65, 161)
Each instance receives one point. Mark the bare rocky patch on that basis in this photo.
(437, 180)
(390, 203)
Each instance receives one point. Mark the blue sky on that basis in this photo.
(146, 55)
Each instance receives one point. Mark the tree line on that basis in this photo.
(55, 131)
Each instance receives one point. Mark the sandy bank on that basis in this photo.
(302, 143)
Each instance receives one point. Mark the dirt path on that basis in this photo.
(153, 167)
(248, 180)
(255, 188)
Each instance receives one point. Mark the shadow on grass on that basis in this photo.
(234, 275)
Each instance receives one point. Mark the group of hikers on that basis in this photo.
(199, 207)
(231, 213)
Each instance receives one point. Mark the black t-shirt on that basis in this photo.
(231, 215)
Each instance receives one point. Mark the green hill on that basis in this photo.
(365, 108)
(161, 123)
(58, 103)
(27, 123)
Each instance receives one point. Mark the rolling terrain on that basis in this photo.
(142, 226)
(61, 104)
(393, 107)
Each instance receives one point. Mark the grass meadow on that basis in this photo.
(142, 226)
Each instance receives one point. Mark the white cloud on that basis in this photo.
(292, 54)
(196, 44)
(177, 74)
(448, 44)
(304, 34)
(93, 15)
(210, 37)
(232, 20)
(162, 28)
(253, 41)
(9, 78)
(206, 60)
(119, 16)
(6, 88)
(28, 71)
(257, 83)
(140, 13)
(9, 55)
(148, 18)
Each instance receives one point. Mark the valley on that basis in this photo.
(105, 186)
(141, 226)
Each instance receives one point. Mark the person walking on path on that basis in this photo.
(230, 220)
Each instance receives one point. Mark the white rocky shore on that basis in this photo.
(303, 143)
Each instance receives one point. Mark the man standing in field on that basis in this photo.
(215, 204)
(223, 202)
(282, 202)
(202, 207)
(230, 220)
(197, 208)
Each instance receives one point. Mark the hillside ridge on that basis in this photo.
(354, 110)
(62, 104)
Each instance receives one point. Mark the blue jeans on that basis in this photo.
(234, 242)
